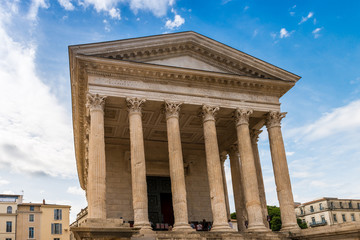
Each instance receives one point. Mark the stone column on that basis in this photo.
(281, 172)
(96, 184)
(254, 134)
(251, 187)
(223, 157)
(138, 168)
(237, 182)
(176, 165)
(213, 164)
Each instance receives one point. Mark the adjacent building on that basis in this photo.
(8, 207)
(329, 211)
(43, 221)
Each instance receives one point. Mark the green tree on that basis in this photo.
(275, 219)
(301, 224)
(233, 215)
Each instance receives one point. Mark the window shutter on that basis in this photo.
(60, 228)
(52, 228)
(60, 211)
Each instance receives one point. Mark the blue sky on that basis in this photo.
(318, 40)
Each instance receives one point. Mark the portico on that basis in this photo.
(173, 106)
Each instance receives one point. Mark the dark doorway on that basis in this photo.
(161, 212)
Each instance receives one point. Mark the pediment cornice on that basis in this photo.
(181, 76)
(185, 43)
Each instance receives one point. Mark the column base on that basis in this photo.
(144, 227)
(222, 228)
(182, 227)
(294, 228)
(258, 228)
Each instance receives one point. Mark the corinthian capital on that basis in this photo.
(209, 112)
(254, 135)
(273, 119)
(242, 116)
(95, 102)
(172, 109)
(135, 104)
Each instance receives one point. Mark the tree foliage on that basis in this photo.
(275, 219)
(233, 215)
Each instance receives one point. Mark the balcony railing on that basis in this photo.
(317, 224)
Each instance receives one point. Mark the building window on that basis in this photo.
(57, 214)
(335, 219)
(322, 219)
(32, 208)
(9, 210)
(358, 205)
(320, 206)
(341, 205)
(31, 232)
(301, 211)
(350, 205)
(331, 205)
(7, 238)
(353, 217)
(313, 220)
(343, 217)
(8, 226)
(311, 209)
(56, 228)
(31, 217)
(56, 238)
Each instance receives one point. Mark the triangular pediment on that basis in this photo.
(187, 61)
(186, 50)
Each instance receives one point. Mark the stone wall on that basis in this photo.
(118, 180)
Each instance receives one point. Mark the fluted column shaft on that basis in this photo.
(223, 159)
(237, 182)
(176, 165)
(254, 134)
(96, 185)
(281, 171)
(138, 167)
(251, 188)
(217, 197)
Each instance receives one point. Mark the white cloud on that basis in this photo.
(316, 32)
(115, 13)
(8, 192)
(304, 19)
(342, 120)
(156, 7)
(34, 8)
(35, 130)
(4, 182)
(289, 153)
(177, 22)
(292, 13)
(66, 4)
(284, 33)
(76, 191)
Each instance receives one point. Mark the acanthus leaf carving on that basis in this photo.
(135, 104)
(242, 116)
(95, 102)
(209, 112)
(273, 119)
(172, 109)
(254, 135)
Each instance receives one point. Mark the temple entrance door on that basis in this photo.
(160, 206)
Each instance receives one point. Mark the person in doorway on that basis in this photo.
(246, 223)
(205, 225)
(199, 227)
(230, 224)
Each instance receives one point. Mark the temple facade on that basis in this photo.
(154, 120)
